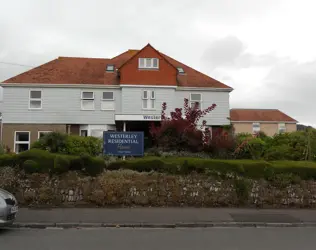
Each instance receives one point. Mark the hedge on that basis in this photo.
(246, 168)
(40, 161)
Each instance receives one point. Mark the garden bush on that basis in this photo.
(61, 164)
(180, 132)
(92, 165)
(254, 169)
(69, 144)
(30, 167)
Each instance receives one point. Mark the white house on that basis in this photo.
(86, 96)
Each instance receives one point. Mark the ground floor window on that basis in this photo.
(21, 141)
(42, 133)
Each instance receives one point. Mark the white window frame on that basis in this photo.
(39, 132)
(151, 66)
(191, 101)
(253, 130)
(108, 100)
(85, 99)
(35, 99)
(151, 98)
(22, 142)
(279, 127)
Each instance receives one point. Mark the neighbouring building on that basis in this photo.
(269, 121)
(86, 96)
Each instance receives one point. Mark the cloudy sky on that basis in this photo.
(264, 49)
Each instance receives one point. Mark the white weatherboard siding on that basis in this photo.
(132, 100)
(216, 117)
(59, 106)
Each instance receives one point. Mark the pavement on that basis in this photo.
(156, 239)
(163, 218)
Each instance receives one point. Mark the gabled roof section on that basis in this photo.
(139, 51)
(259, 115)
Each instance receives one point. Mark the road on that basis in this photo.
(173, 239)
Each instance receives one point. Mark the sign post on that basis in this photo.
(123, 143)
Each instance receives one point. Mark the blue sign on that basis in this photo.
(123, 143)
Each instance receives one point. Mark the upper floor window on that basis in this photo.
(107, 101)
(35, 99)
(255, 127)
(282, 128)
(87, 100)
(110, 67)
(180, 70)
(149, 97)
(148, 63)
(196, 99)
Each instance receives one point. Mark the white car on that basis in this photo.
(8, 208)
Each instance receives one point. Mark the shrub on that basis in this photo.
(54, 142)
(44, 159)
(61, 164)
(180, 132)
(221, 145)
(30, 167)
(77, 145)
(8, 160)
(69, 144)
(92, 165)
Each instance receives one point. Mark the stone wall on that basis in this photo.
(127, 188)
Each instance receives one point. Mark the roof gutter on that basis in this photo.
(56, 85)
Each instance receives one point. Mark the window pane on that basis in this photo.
(152, 104)
(87, 104)
(35, 104)
(108, 96)
(141, 63)
(145, 94)
(152, 95)
(148, 63)
(22, 136)
(195, 104)
(155, 62)
(87, 95)
(145, 106)
(195, 97)
(21, 147)
(107, 105)
(36, 94)
(110, 68)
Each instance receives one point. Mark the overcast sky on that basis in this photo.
(264, 49)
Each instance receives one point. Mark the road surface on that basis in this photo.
(173, 239)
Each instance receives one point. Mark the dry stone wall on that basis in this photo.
(128, 188)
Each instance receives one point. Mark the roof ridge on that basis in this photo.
(78, 57)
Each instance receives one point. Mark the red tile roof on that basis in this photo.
(75, 70)
(254, 115)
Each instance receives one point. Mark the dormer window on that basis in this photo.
(148, 63)
(180, 70)
(110, 68)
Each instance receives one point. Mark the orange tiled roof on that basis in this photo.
(76, 70)
(266, 115)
